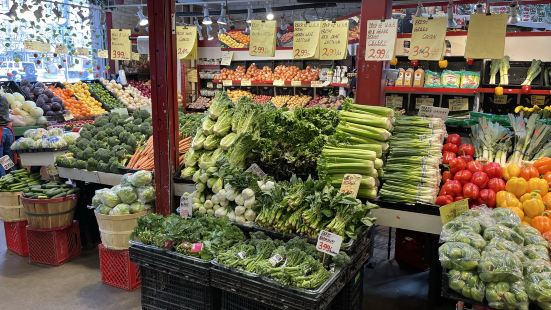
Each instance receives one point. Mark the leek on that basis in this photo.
(533, 72)
(504, 71)
(494, 68)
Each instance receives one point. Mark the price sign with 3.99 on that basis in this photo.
(120, 44)
(329, 243)
(381, 39)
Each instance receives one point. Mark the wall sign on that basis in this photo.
(306, 39)
(428, 38)
(486, 36)
(381, 39)
(120, 44)
(263, 38)
(334, 40)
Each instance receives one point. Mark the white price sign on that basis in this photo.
(329, 243)
(226, 59)
(430, 111)
(420, 101)
(186, 206)
(394, 101)
(458, 104)
(381, 39)
(6, 162)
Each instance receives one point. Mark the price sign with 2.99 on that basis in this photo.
(185, 41)
(381, 39)
(263, 38)
(306, 39)
(334, 40)
(120, 44)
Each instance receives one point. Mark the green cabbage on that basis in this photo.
(127, 194)
(208, 126)
(141, 178)
(137, 207)
(146, 194)
(107, 197)
(104, 210)
(198, 142)
(120, 209)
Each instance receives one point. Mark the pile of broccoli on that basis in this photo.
(108, 143)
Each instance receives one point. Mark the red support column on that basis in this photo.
(162, 52)
(109, 26)
(370, 79)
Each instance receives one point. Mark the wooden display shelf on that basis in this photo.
(90, 176)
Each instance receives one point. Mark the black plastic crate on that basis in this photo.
(12, 87)
(350, 297)
(231, 301)
(165, 289)
(517, 74)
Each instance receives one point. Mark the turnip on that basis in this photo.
(240, 210)
(250, 215)
(231, 216)
(247, 193)
(239, 219)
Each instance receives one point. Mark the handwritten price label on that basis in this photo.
(394, 101)
(430, 111)
(427, 38)
(278, 82)
(351, 184)
(226, 58)
(334, 40)
(62, 49)
(120, 44)
(186, 36)
(458, 104)
(296, 83)
(36, 46)
(227, 82)
(453, 210)
(306, 39)
(246, 83)
(423, 101)
(186, 206)
(103, 54)
(317, 84)
(381, 39)
(263, 38)
(329, 243)
(500, 99)
(537, 100)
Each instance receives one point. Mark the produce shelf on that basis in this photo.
(286, 84)
(39, 158)
(90, 176)
(464, 91)
(512, 91)
(278, 48)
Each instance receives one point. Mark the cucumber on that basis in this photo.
(42, 197)
(72, 191)
(62, 194)
(50, 185)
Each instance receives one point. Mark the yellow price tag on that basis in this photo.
(453, 210)
(263, 38)
(427, 38)
(423, 100)
(186, 36)
(381, 39)
(458, 104)
(227, 83)
(306, 39)
(246, 83)
(82, 51)
(500, 99)
(278, 83)
(351, 184)
(537, 100)
(61, 49)
(135, 56)
(36, 46)
(334, 40)
(120, 44)
(486, 36)
(103, 54)
(296, 83)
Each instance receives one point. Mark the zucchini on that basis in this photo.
(72, 191)
(62, 194)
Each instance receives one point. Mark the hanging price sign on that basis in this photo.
(82, 51)
(37, 46)
(103, 54)
(329, 243)
(381, 39)
(427, 38)
(61, 49)
(306, 39)
(486, 36)
(334, 40)
(226, 58)
(120, 44)
(186, 36)
(263, 38)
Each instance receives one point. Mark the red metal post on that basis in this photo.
(370, 79)
(162, 52)
(109, 26)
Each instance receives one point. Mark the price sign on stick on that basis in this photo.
(226, 58)
(306, 39)
(351, 184)
(453, 210)
(334, 40)
(428, 38)
(6, 162)
(430, 111)
(185, 41)
(458, 104)
(486, 36)
(329, 243)
(263, 38)
(120, 44)
(103, 54)
(381, 39)
(186, 206)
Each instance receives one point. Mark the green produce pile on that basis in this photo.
(109, 102)
(109, 143)
(18, 180)
(133, 195)
(203, 237)
(412, 170)
(488, 253)
(189, 123)
(49, 190)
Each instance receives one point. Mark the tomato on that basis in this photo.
(474, 166)
(454, 138)
(450, 147)
(457, 164)
(496, 184)
(470, 191)
(446, 175)
(452, 187)
(467, 158)
(493, 170)
(466, 149)
(488, 197)
(443, 192)
(447, 156)
(463, 176)
(443, 200)
(457, 198)
(480, 179)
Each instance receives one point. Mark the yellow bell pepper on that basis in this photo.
(537, 184)
(517, 186)
(533, 206)
(530, 195)
(505, 199)
(518, 212)
(510, 171)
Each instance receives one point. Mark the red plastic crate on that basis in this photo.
(16, 237)
(54, 246)
(117, 270)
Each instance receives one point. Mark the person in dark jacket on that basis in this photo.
(6, 133)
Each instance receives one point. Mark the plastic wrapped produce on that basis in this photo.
(505, 295)
(538, 287)
(505, 217)
(503, 232)
(107, 197)
(531, 235)
(126, 194)
(499, 266)
(467, 283)
(536, 266)
(467, 236)
(535, 251)
(146, 194)
(141, 178)
(453, 226)
(458, 256)
(501, 244)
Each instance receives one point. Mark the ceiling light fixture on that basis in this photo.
(269, 12)
(451, 20)
(222, 19)
(419, 11)
(513, 19)
(209, 33)
(206, 17)
(142, 18)
(199, 29)
(249, 14)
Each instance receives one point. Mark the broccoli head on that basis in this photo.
(85, 133)
(73, 148)
(88, 152)
(61, 161)
(117, 130)
(101, 135)
(129, 149)
(113, 117)
(71, 163)
(100, 122)
(146, 129)
(103, 167)
(124, 135)
(102, 154)
(82, 143)
(119, 151)
(108, 131)
(113, 141)
(131, 140)
(115, 167)
(91, 164)
(137, 121)
(80, 164)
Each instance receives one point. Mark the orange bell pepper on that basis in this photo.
(543, 165)
(537, 184)
(504, 199)
(542, 223)
(528, 171)
(547, 177)
(517, 186)
(533, 206)
(511, 170)
(547, 201)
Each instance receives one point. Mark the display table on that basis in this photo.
(90, 176)
(40, 158)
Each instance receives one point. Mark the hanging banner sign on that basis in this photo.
(486, 36)
(263, 38)
(428, 38)
(82, 51)
(381, 39)
(306, 39)
(334, 40)
(186, 36)
(61, 49)
(36, 46)
(120, 44)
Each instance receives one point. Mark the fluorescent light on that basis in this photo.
(222, 19)
(249, 14)
(209, 33)
(142, 18)
(206, 16)
(269, 13)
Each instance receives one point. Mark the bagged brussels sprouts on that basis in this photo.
(126, 194)
(146, 194)
(503, 232)
(538, 287)
(499, 243)
(107, 197)
(453, 226)
(141, 178)
(506, 217)
(536, 266)
(531, 235)
(458, 256)
(467, 283)
(535, 251)
(120, 209)
(505, 295)
(499, 266)
(467, 236)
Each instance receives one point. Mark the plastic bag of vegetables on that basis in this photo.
(531, 235)
(499, 266)
(467, 236)
(137, 207)
(107, 197)
(70, 137)
(501, 244)
(35, 134)
(126, 194)
(146, 194)
(503, 232)
(120, 209)
(538, 287)
(55, 132)
(535, 251)
(505, 217)
(467, 283)
(141, 178)
(453, 226)
(505, 295)
(536, 266)
(458, 256)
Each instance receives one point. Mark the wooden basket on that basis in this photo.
(50, 213)
(115, 230)
(11, 209)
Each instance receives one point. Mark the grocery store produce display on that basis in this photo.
(49, 190)
(108, 101)
(78, 109)
(227, 40)
(200, 103)
(130, 96)
(51, 105)
(18, 180)
(143, 87)
(42, 139)
(281, 72)
(23, 113)
(82, 92)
